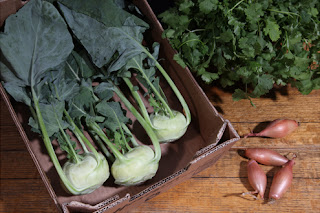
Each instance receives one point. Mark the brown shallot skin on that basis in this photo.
(281, 181)
(257, 179)
(266, 157)
(277, 129)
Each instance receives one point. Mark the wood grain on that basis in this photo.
(216, 189)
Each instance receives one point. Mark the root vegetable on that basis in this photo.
(276, 129)
(281, 181)
(257, 179)
(266, 156)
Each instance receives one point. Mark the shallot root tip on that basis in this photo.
(291, 156)
(249, 135)
(251, 193)
(271, 201)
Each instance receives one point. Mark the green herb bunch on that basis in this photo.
(249, 45)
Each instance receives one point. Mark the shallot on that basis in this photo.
(276, 129)
(257, 179)
(266, 156)
(281, 181)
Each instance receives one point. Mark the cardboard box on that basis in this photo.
(209, 136)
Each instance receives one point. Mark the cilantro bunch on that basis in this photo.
(249, 45)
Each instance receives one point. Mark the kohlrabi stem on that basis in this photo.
(121, 132)
(143, 123)
(79, 134)
(33, 113)
(175, 90)
(73, 72)
(154, 90)
(137, 97)
(49, 147)
(96, 128)
(81, 142)
(171, 84)
(103, 147)
(75, 156)
(133, 139)
(65, 137)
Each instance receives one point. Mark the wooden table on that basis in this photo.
(216, 189)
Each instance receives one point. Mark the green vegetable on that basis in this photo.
(247, 45)
(68, 70)
(131, 165)
(139, 163)
(116, 48)
(35, 44)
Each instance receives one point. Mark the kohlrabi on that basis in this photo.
(136, 163)
(115, 44)
(35, 41)
(133, 163)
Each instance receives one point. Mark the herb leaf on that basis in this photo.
(253, 45)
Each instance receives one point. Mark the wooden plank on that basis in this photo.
(232, 165)
(223, 195)
(9, 134)
(17, 164)
(215, 189)
(306, 135)
(25, 195)
(5, 117)
(10, 139)
(289, 103)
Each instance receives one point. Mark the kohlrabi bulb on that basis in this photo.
(139, 165)
(169, 129)
(89, 174)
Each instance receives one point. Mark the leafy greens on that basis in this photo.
(66, 61)
(248, 45)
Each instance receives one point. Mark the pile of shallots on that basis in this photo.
(283, 177)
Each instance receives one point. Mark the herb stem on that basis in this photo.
(190, 40)
(283, 12)
(236, 5)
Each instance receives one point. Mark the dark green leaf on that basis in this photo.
(113, 113)
(27, 36)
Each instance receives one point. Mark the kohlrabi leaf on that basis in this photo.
(79, 66)
(52, 114)
(104, 90)
(65, 145)
(35, 39)
(104, 40)
(82, 102)
(19, 93)
(114, 114)
(144, 72)
(109, 12)
(58, 85)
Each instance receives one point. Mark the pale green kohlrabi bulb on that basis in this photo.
(89, 174)
(169, 129)
(137, 167)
